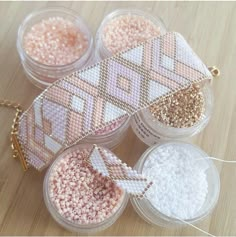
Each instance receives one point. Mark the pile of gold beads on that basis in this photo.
(182, 109)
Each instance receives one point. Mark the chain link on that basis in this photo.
(14, 130)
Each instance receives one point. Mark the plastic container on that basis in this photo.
(43, 75)
(150, 214)
(69, 225)
(101, 49)
(151, 131)
(111, 139)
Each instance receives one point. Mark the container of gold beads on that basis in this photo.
(78, 197)
(177, 116)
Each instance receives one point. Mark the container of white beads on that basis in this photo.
(52, 43)
(78, 197)
(125, 28)
(177, 117)
(185, 186)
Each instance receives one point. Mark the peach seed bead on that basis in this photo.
(126, 31)
(55, 41)
(93, 200)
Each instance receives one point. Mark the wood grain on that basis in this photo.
(210, 28)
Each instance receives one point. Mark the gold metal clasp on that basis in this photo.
(15, 145)
(18, 151)
(215, 72)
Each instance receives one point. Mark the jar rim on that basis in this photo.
(139, 167)
(122, 126)
(123, 11)
(64, 10)
(62, 220)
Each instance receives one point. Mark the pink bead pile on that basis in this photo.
(126, 31)
(79, 193)
(55, 41)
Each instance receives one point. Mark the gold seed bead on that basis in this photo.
(182, 109)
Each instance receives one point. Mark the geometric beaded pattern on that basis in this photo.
(112, 167)
(90, 99)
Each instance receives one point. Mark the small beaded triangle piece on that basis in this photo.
(125, 177)
(88, 100)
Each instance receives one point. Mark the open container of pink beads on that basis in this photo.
(52, 43)
(78, 197)
(124, 28)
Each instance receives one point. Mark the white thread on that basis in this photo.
(197, 228)
(213, 158)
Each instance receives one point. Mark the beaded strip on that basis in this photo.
(88, 100)
(107, 164)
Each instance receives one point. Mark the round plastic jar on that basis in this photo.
(151, 131)
(101, 50)
(43, 75)
(65, 222)
(112, 137)
(150, 214)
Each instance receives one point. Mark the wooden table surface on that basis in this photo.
(209, 27)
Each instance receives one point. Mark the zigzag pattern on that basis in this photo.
(125, 177)
(88, 100)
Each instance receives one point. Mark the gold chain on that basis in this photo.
(16, 148)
